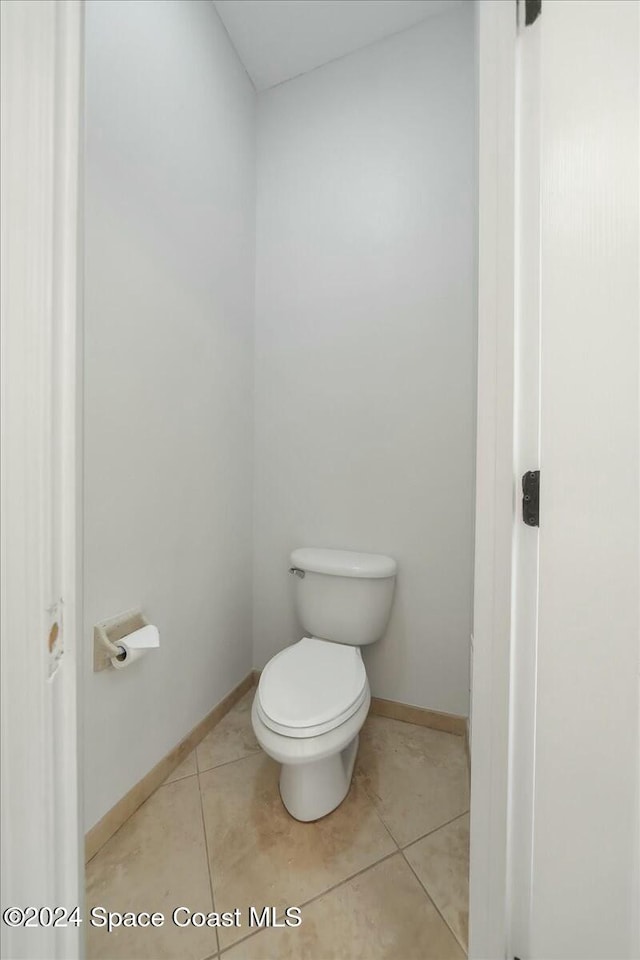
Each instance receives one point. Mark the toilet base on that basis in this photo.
(312, 790)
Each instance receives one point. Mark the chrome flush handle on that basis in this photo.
(297, 572)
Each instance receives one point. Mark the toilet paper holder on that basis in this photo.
(107, 634)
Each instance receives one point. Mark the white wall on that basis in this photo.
(169, 230)
(365, 343)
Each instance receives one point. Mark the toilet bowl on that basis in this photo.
(313, 697)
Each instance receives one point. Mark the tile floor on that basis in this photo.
(383, 876)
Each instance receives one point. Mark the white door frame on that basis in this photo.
(41, 463)
(41, 357)
(495, 483)
(526, 456)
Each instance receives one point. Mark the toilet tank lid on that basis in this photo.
(343, 563)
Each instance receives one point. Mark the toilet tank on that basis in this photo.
(342, 596)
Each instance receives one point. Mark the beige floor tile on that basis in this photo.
(441, 861)
(261, 856)
(230, 739)
(416, 777)
(155, 862)
(382, 914)
(185, 769)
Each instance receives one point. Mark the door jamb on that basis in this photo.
(40, 483)
(495, 483)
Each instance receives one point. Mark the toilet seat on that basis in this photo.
(311, 688)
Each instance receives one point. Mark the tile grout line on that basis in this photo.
(206, 852)
(435, 905)
(424, 836)
(319, 896)
(216, 766)
(226, 763)
(216, 955)
(187, 776)
(397, 845)
(401, 851)
(375, 811)
(348, 879)
(167, 783)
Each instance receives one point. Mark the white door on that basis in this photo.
(555, 838)
(41, 840)
(584, 891)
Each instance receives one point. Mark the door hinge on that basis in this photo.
(531, 498)
(532, 10)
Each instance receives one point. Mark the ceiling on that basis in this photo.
(280, 39)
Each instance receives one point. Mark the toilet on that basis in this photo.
(313, 697)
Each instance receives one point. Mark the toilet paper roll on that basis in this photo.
(128, 656)
(136, 645)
